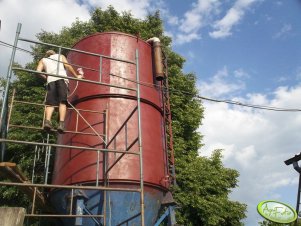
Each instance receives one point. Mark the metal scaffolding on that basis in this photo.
(45, 147)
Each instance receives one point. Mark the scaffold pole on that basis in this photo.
(3, 116)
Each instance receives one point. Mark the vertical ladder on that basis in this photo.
(167, 122)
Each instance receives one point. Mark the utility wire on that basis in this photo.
(270, 108)
(27, 51)
(11, 46)
(172, 90)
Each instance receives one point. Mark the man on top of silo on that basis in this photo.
(57, 88)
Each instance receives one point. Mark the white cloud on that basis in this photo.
(195, 19)
(173, 20)
(191, 54)
(298, 73)
(169, 34)
(223, 27)
(284, 31)
(34, 16)
(219, 85)
(256, 143)
(203, 15)
(184, 38)
(285, 78)
(256, 99)
(246, 156)
(240, 73)
(192, 22)
(268, 18)
(138, 8)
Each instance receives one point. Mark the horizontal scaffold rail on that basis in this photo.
(72, 78)
(53, 130)
(68, 146)
(42, 104)
(77, 50)
(64, 215)
(103, 188)
(78, 110)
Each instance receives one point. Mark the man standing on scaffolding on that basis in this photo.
(57, 88)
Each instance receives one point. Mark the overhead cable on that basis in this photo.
(11, 46)
(172, 90)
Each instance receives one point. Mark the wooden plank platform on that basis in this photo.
(10, 171)
(12, 216)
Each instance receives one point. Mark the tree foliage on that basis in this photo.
(203, 188)
(203, 184)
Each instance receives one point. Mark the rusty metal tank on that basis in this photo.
(108, 119)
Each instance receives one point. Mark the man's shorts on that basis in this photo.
(57, 92)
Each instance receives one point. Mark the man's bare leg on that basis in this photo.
(49, 110)
(48, 114)
(62, 115)
(62, 112)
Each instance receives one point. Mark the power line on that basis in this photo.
(11, 46)
(232, 102)
(270, 108)
(27, 51)
(171, 90)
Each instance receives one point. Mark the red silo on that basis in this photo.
(80, 166)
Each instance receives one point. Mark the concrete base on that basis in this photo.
(12, 216)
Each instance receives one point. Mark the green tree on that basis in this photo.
(203, 196)
(203, 184)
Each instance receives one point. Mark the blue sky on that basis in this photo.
(244, 50)
(262, 43)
